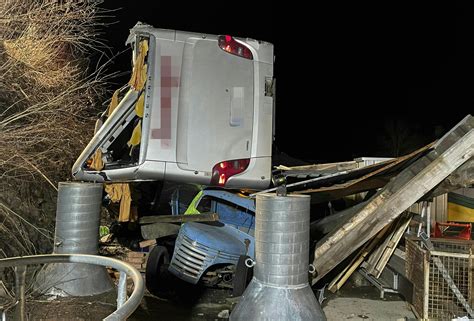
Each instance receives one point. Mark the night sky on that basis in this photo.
(352, 79)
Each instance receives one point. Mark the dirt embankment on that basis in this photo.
(27, 214)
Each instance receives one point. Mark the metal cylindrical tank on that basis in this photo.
(78, 218)
(280, 289)
(76, 232)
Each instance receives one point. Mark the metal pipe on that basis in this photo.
(122, 290)
(280, 290)
(20, 280)
(428, 218)
(8, 307)
(311, 180)
(121, 313)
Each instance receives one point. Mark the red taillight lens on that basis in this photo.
(223, 170)
(229, 44)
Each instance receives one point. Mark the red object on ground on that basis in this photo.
(448, 230)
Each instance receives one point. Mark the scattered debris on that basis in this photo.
(224, 314)
(106, 238)
(147, 243)
(416, 180)
(136, 259)
(54, 293)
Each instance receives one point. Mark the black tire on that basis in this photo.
(242, 276)
(157, 270)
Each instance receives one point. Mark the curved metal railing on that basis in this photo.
(124, 307)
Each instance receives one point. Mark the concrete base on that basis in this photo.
(68, 279)
(261, 302)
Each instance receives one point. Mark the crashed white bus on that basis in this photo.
(201, 111)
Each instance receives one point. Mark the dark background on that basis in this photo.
(353, 79)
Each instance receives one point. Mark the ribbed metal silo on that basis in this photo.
(77, 232)
(78, 218)
(280, 289)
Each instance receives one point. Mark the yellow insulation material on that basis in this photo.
(136, 135)
(121, 192)
(138, 79)
(113, 103)
(96, 161)
(140, 105)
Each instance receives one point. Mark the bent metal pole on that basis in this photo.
(280, 289)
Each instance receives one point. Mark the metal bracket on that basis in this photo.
(280, 182)
(375, 282)
(320, 295)
(281, 190)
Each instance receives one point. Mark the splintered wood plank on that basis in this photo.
(380, 257)
(342, 277)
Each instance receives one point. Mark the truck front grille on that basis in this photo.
(191, 258)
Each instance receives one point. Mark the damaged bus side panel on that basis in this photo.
(204, 113)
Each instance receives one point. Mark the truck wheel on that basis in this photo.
(242, 276)
(156, 270)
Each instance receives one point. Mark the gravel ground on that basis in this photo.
(365, 309)
(350, 303)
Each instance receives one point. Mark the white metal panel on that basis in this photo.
(214, 131)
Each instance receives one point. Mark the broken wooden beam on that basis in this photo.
(205, 217)
(342, 277)
(379, 258)
(449, 153)
(158, 230)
